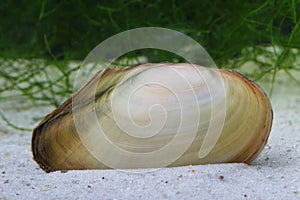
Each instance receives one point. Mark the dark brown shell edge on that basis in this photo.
(255, 87)
(66, 107)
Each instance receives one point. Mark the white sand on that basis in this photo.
(274, 175)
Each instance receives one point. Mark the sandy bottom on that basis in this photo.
(275, 174)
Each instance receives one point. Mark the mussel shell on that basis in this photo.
(57, 144)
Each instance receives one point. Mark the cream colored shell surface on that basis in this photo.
(155, 115)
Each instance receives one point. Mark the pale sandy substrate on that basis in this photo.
(274, 175)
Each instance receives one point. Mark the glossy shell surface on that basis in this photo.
(155, 115)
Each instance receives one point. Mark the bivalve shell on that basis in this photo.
(155, 115)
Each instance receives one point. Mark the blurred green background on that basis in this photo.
(70, 29)
(40, 38)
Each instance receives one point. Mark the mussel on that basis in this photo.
(155, 115)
